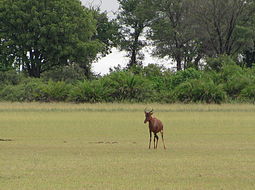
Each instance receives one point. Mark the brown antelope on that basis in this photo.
(155, 126)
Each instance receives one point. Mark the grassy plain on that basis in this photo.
(105, 147)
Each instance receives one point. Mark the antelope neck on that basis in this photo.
(151, 120)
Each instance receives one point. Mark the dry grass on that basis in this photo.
(105, 146)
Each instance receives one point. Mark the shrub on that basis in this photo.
(248, 93)
(69, 74)
(36, 90)
(10, 77)
(32, 90)
(117, 86)
(230, 71)
(212, 75)
(182, 76)
(160, 84)
(186, 86)
(165, 96)
(199, 91)
(250, 73)
(11, 93)
(29, 90)
(154, 70)
(129, 87)
(56, 91)
(235, 85)
(216, 63)
(90, 91)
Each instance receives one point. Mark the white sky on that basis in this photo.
(116, 57)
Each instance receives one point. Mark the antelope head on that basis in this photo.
(148, 115)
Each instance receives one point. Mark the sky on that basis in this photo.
(116, 57)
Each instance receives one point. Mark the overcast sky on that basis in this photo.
(110, 6)
(116, 57)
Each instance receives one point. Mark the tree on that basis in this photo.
(249, 52)
(133, 18)
(222, 26)
(249, 57)
(40, 35)
(107, 31)
(173, 34)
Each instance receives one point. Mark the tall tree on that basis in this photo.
(46, 34)
(133, 18)
(107, 31)
(222, 25)
(173, 33)
(249, 51)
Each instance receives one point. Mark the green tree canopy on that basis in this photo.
(38, 35)
(133, 18)
(173, 33)
(188, 30)
(107, 31)
(224, 27)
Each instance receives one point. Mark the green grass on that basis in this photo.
(105, 147)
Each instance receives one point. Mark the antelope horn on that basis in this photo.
(146, 110)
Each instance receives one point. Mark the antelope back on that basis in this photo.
(155, 125)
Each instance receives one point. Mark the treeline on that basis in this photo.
(39, 36)
(188, 31)
(47, 49)
(139, 84)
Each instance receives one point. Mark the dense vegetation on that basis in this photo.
(47, 48)
(139, 84)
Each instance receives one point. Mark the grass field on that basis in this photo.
(105, 147)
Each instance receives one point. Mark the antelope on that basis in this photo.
(155, 126)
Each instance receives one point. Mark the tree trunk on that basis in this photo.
(133, 58)
(34, 71)
(179, 64)
(34, 68)
(196, 61)
(135, 45)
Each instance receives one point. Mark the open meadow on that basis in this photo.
(105, 147)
